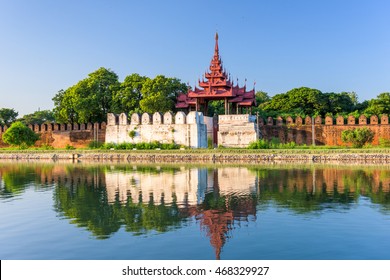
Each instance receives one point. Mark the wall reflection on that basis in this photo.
(146, 199)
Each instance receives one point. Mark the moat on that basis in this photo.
(186, 211)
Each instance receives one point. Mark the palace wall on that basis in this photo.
(193, 129)
(236, 130)
(61, 135)
(188, 130)
(326, 131)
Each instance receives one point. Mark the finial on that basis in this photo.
(216, 45)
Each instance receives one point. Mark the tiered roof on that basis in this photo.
(217, 84)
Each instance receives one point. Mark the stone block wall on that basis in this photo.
(326, 131)
(236, 130)
(188, 130)
(61, 135)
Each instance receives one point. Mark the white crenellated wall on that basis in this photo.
(236, 130)
(188, 130)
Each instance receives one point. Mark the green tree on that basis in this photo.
(7, 116)
(160, 93)
(129, 94)
(261, 97)
(20, 135)
(303, 99)
(216, 107)
(64, 106)
(358, 136)
(89, 100)
(39, 117)
(379, 105)
(338, 103)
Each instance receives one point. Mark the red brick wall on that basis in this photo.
(326, 131)
(61, 135)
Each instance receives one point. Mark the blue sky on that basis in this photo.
(331, 45)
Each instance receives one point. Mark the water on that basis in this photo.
(127, 211)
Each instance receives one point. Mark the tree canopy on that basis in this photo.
(307, 101)
(100, 93)
(38, 117)
(7, 116)
(379, 105)
(160, 93)
(129, 94)
(89, 100)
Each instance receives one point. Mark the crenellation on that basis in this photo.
(328, 120)
(318, 120)
(123, 119)
(76, 126)
(157, 118)
(374, 120)
(168, 118)
(351, 120)
(363, 119)
(340, 120)
(180, 118)
(261, 121)
(385, 119)
(325, 134)
(193, 129)
(279, 121)
(192, 118)
(146, 118)
(186, 130)
(135, 119)
(111, 119)
(90, 126)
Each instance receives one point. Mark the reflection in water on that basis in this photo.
(215, 197)
(155, 199)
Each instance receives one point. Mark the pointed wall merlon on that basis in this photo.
(180, 128)
(53, 127)
(329, 120)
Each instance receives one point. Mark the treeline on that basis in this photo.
(306, 101)
(101, 92)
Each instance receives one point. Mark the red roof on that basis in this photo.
(218, 86)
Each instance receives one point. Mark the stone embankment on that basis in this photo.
(359, 158)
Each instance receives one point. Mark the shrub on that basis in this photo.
(132, 134)
(95, 144)
(358, 136)
(20, 135)
(69, 147)
(47, 147)
(384, 143)
(259, 144)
